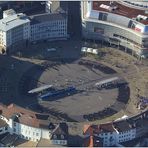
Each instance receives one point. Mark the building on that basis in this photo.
(51, 6)
(18, 30)
(48, 26)
(8, 13)
(14, 31)
(117, 132)
(31, 126)
(121, 23)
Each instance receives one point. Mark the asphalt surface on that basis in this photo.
(28, 72)
(89, 100)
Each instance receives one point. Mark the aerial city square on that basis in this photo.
(74, 73)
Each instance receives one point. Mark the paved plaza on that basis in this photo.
(31, 68)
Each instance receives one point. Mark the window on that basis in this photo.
(37, 134)
(103, 16)
(14, 130)
(14, 124)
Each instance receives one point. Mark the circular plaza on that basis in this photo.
(87, 103)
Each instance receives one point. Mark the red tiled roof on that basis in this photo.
(26, 117)
(107, 127)
(121, 10)
(90, 129)
(28, 120)
(10, 110)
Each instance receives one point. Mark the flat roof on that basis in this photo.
(121, 10)
(13, 21)
(122, 125)
(47, 17)
(107, 80)
(107, 127)
(39, 89)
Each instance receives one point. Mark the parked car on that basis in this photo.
(51, 49)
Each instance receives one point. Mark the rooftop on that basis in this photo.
(13, 21)
(61, 129)
(23, 116)
(119, 9)
(122, 126)
(33, 119)
(90, 129)
(8, 12)
(47, 17)
(2, 123)
(108, 127)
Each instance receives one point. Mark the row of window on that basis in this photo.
(27, 132)
(48, 35)
(28, 138)
(123, 136)
(126, 139)
(50, 24)
(124, 38)
(60, 142)
(49, 30)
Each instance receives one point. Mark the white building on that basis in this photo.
(117, 132)
(8, 13)
(31, 126)
(48, 26)
(123, 24)
(17, 30)
(14, 31)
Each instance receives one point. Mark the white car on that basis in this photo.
(51, 49)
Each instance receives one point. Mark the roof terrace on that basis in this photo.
(117, 8)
